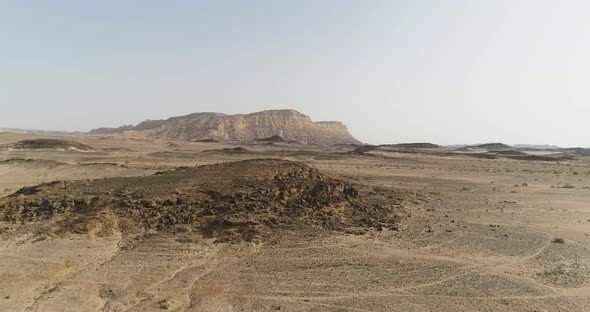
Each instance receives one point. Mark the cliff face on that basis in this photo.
(289, 124)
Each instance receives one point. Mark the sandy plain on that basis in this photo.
(476, 235)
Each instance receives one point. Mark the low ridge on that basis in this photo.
(493, 146)
(50, 144)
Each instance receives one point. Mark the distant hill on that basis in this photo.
(50, 144)
(274, 139)
(401, 148)
(539, 147)
(577, 151)
(111, 130)
(415, 145)
(37, 132)
(493, 146)
(290, 125)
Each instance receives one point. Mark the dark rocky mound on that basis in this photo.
(234, 150)
(230, 201)
(273, 139)
(516, 156)
(540, 158)
(534, 147)
(207, 141)
(176, 154)
(28, 162)
(415, 145)
(578, 151)
(50, 144)
(364, 149)
(118, 149)
(494, 146)
(403, 147)
(509, 153)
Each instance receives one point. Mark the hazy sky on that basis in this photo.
(394, 71)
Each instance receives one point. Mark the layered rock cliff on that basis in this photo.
(289, 124)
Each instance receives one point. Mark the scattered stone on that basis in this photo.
(164, 304)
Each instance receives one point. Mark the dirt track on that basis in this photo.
(477, 236)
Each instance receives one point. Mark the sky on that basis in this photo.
(447, 72)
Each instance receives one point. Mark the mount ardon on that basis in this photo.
(290, 125)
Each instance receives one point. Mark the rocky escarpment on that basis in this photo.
(288, 124)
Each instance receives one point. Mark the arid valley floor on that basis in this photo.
(472, 234)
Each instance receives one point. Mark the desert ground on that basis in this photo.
(472, 234)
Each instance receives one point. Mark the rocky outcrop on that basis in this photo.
(288, 124)
(230, 201)
(50, 144)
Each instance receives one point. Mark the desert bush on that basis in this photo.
(558, 240)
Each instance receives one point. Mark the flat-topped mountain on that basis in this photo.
(290, 125)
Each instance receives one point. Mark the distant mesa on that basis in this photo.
(50, 144)
(289, 125)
